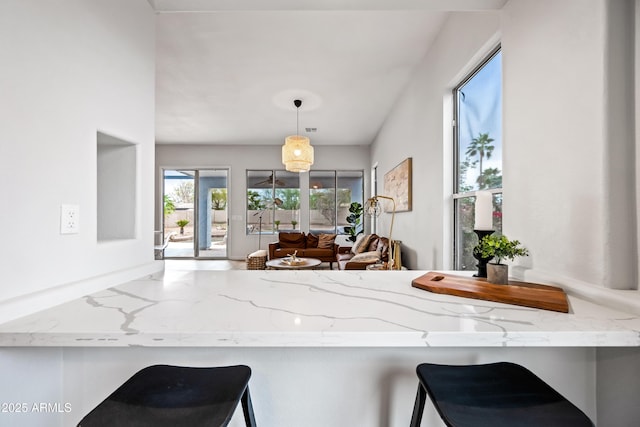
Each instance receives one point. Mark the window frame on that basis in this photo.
(337, 227)
(456, 195)
(268, 225)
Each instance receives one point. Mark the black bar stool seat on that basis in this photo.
(493, 395)
(163, 396)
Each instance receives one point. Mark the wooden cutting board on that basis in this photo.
(519, 293)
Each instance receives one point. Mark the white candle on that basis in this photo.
(483, 211)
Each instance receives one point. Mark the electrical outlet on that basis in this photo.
(69, 219)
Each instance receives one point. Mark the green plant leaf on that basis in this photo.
(500, 247)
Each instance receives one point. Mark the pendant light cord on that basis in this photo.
(297, 103)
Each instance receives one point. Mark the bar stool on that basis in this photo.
(493, 395)
(163, 395)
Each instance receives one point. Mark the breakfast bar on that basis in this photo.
(327, 348)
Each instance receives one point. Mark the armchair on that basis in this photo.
(367, 250)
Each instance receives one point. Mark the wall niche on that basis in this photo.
(116, 192)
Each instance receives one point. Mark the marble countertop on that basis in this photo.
(308, 309)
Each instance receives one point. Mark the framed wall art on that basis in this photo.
(397, 184)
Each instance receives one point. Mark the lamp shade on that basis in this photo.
(297, 154)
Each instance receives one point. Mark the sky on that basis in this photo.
(481, 112)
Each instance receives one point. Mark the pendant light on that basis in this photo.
(297, 152)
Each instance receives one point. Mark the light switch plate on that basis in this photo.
(69, 219)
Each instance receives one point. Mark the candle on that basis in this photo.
(483, 211)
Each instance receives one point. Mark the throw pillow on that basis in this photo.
(361, 244)
(292, 240)
(374, 244)
(325, 241)
(357, 243)
(312, 240)
(373, 256)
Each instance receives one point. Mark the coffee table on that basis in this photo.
(279, 264)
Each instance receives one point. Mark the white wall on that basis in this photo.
(636, 112)
(618, 370)
(415, 129)
(70, 68)
(569, 179)
(553, 130)
(569, 138)
(240, 158)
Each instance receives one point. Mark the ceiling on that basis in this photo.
(227, 71)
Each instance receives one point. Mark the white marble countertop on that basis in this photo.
(308, 309)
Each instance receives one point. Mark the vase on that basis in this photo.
(477, 254)
(482, 264)
(498, 274)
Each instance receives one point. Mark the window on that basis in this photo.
(264, 187)
(477, 152)
(330, 195)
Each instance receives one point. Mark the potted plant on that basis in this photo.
(182, 223)
(294, 223)
(500, 248)
(355, 212)
(277, 224)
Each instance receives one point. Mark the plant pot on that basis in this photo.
(498, 274)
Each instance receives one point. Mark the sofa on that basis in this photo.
(367, 249)
(321, 246)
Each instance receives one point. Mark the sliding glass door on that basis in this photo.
(195, 213)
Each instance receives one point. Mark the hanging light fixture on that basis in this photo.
(297, 152)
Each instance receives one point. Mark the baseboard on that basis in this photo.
(41, 300)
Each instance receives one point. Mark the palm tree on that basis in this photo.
(481, 147)
(182, 223)
(490, 178)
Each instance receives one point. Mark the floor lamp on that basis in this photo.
(374, 208)
(270, 205)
